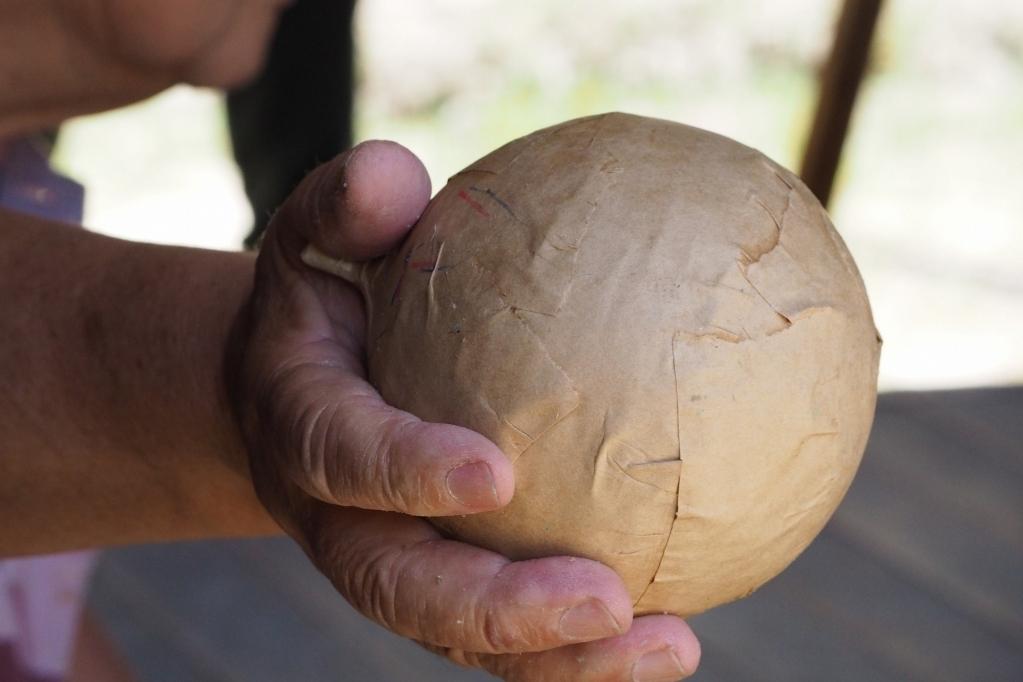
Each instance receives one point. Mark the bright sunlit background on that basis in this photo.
(929, 196)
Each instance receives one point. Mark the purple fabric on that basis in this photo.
(28, 185)
(40, 597)
(11, 669)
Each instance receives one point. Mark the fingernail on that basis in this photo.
(658, 666)
(473, 486)
(589, 620)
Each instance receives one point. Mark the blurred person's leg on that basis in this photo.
(298, 113)
(95, 658)
(41, 599)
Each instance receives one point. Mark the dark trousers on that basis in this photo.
(298, 113)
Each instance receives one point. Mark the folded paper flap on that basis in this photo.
(742, 397)
(514, 409)
(529, 400)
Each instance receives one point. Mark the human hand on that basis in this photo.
(346, 475)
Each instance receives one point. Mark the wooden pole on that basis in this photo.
(840, 82)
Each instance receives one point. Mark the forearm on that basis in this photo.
(114, 419)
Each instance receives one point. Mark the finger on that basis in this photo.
(346, 446)
(358, 205)
(398, 571)
(655, 649)
(353, 449)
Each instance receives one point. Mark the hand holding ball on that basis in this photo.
(662, 330)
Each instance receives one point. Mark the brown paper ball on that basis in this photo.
(663, 331)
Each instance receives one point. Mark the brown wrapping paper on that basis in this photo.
(663, 331)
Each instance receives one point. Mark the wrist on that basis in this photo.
(174, 406)
(219, 488)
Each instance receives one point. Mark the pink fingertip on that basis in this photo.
(387, 189)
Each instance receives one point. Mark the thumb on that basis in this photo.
(357, 206)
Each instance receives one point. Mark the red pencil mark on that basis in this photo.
(423, 265)
(428, 266)
(476, 206)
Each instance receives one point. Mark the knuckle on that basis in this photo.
(303, 422)
(299, 427)
(396, 488)
(494, 631)
(311, 432)
(368, 578)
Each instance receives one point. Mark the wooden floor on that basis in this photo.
(918, 577)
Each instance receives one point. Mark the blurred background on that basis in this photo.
(921, 574)
(929, 195)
